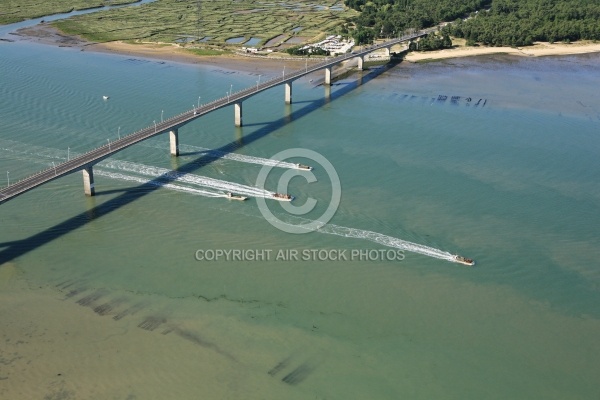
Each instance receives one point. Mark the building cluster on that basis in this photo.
(333, 44)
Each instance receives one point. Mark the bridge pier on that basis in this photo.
(174, 142)
(288, 93)
(238, 113)
(88, 181)
(327, 76)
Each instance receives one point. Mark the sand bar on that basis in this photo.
(539, 49)
(47, 34)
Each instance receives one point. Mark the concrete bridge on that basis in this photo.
(85, 162)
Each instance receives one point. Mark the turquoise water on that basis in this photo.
(253, 41)
(491, 158)
(236, 40)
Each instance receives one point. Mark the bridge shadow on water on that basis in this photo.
(12, 250)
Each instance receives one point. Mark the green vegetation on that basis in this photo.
(491, 22)
(431, 42)
(389, 18)
(522, 22)
(177, 21)
(19, 10)
(207, 52)
(315, 51)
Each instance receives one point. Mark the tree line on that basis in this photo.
(522, 22)
(491, 22)
(389, 18)
(300, 51)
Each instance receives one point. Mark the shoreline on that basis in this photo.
(49, 35)
(539, 49)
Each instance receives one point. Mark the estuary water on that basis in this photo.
(122, 296)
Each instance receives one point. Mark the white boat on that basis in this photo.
(464, 260)
(303, 167)
(105, 97)
(235, 197)
(282, 197)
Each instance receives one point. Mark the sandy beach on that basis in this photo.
(539, 49)
(47, 34)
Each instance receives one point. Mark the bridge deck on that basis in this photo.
(98, 154)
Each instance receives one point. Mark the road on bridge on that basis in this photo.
(98, 154)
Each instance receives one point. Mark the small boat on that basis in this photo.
(303, 167)
(105, 97)
(464, 260)
(282, 197)
(235, 197)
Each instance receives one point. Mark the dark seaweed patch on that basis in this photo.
(103, 309)
(167, 331)
(65, 284)
(106, 308)
(298, 375)
(192, 337)
(75, 292)
(130, 311)
(196, 339)
(281, 365)
(151, 323)
(91, 298)
(68, 284)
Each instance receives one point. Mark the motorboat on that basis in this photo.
(236, 197)
(105, 97)
(464, 260)
(282, 196)
(303, 167)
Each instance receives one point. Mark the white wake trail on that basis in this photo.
(198, 180)
(234, 156)
(20, 149)
(178, 188)
(385, 240)
(379, 238)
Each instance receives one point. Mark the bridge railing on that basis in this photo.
(144, 133)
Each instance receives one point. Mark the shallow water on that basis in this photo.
(492, 158)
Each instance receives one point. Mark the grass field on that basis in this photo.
(174, 21)
(19, 10)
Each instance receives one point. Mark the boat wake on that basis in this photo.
(376, 237)
(330, 229)
(197, 180)
(388, 241)
(184, 148)
(220, 188)
(179, 188)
